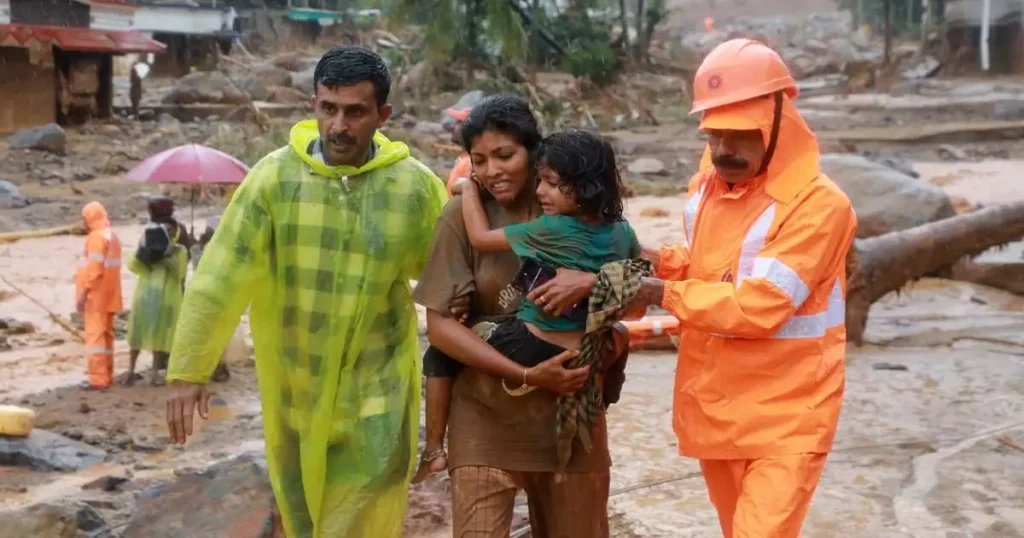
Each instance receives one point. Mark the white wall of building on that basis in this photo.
(102, 18)
(5, 12)
(181, 20)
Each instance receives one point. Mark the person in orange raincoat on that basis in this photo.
(463, 165)
(98, 294)
(758, 287)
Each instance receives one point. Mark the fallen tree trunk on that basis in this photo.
(886, 263)
(69, 229)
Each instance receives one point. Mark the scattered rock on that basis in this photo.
(50, 137)
(10, 196)
(82, 175)
(84, 408)
(428, 127)
(46, 451)
(287, 95)
(295, 61)
(204, 87)
(142, 443)
(889, 366)
(41, 521)
(259, 82)
(952, 153)
(89, 520)
(897, 164)
(653, 212)
(885, 200)
(167, 120)
(647, 166)
(109, 129)
(107, 483)
(194, 504)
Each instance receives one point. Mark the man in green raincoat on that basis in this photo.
(320, 240)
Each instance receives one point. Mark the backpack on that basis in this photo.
(154, 245)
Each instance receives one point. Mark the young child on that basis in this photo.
(582, 228)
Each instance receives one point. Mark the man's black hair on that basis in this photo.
(349, 65)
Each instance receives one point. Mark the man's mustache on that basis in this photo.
(729, 161)
(341, 139)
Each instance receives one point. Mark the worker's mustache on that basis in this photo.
(729, 161)
(341, 139)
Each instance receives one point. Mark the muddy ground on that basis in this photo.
(929, 443)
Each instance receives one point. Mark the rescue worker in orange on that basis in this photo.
(98, 294)
(463, 165)
(758, 288)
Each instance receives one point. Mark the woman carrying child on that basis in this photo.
(501, 432)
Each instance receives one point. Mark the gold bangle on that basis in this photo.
(525, 371)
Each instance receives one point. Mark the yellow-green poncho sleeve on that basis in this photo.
(233, 263)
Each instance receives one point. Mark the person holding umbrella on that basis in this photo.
(321, 239)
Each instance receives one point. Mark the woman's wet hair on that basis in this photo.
(586, 168)
(504, 113)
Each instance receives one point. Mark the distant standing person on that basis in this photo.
(160, 264)
(98, 294)
(135, 91)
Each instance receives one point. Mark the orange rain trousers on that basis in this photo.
(99, 347)
(738, 491)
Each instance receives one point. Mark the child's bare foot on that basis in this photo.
(431, 462)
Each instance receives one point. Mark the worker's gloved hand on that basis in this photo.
(181, 406)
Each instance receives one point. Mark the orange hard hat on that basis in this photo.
(738, 70)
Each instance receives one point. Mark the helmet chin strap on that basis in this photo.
(773, 139)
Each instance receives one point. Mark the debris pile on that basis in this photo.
(818, 44)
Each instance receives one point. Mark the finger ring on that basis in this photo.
(543, 299)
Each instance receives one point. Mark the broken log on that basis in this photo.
(886, 263)
(69, 229)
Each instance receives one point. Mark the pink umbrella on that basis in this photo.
(191, 163)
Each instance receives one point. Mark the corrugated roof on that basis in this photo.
(78, 39)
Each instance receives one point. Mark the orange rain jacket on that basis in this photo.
(759, 289)
(100, 273)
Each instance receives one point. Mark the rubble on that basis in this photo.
(205, 87)
(10, 196)
(646, 166)
(46, 451)
(885, 199)
(50, 137)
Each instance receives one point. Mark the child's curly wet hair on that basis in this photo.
(586, 168)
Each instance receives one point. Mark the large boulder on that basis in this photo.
(260, 82)
(205, 87)
(231, 498)
(50, 137)
(885, 199)
(46, 451)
